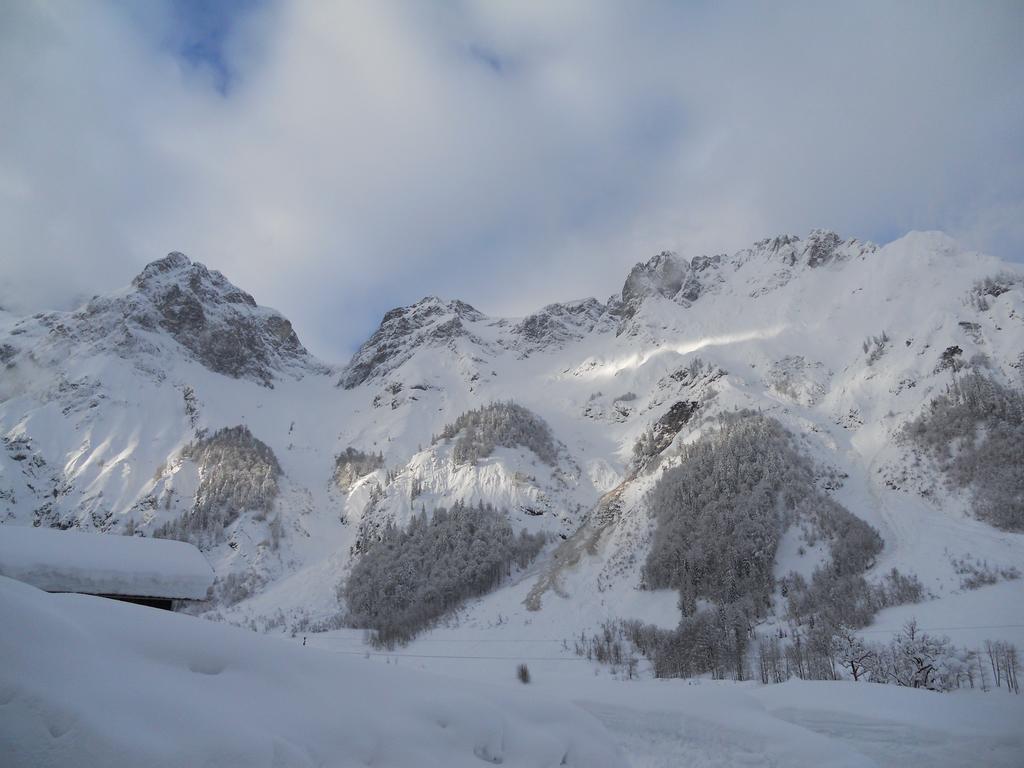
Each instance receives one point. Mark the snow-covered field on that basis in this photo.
(86, 681)
(90, 682)
(723, 723)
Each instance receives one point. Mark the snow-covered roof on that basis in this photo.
(101, 564)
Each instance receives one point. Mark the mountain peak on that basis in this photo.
(176, 269)
(431, 320)
(173, 262)
(661, 275)
(430, 306)
(220, 325)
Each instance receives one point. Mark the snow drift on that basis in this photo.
(86, 681)
(72, 561)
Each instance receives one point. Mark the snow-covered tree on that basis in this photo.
(975, 433)
(479, 431)
(854, 654)
(412, 577)
(916, 659)
(353, 464)
(237, 473)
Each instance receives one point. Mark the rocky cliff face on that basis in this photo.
(663, 275)
(221, 325)
(430, 322)
(559, 324)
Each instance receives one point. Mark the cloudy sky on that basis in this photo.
(340, 158)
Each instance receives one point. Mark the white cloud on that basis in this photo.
(509, 154)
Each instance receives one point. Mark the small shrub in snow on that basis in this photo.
(978, 573)
(412, 577)
(695, 371)
(523, 674)
(951, 359)
(989, 288)
(479, 431)
(875, 346)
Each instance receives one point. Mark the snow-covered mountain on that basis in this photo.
(179, 406)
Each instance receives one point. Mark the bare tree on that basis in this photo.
(854, 654)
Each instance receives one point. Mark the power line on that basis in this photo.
(950, 629)
(483, 640)
(523, 642)
(364, 654)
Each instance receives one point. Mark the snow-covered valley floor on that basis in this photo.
(89, 682)
(723, 723)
